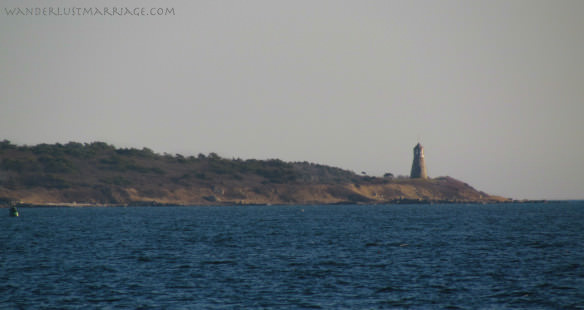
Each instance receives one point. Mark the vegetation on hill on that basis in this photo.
(99, 173)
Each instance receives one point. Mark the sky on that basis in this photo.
(494, 90)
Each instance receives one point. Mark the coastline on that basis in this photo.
(101, 175)
(391, 202)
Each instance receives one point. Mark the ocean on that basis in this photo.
(463, 256)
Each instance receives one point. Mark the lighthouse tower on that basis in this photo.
(419, 165)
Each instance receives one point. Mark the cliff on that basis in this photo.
(100, 174)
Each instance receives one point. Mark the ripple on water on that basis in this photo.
(512, 256)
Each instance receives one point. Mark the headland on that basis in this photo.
(99, 174)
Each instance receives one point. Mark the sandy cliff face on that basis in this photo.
(403, 191)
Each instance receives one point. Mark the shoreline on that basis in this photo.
(392, 202)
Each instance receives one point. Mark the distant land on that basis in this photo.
(97, 173)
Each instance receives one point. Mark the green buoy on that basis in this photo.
(13, 212)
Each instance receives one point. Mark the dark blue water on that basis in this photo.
(396, 256)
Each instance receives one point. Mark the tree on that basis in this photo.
(6, 145)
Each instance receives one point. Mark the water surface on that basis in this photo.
(358, 257)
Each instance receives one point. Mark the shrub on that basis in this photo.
(56, 164)
(48, 181)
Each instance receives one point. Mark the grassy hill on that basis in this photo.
(99, 173)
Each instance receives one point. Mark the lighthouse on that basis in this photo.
(419, 165)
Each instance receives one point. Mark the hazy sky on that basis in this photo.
(493, 89)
